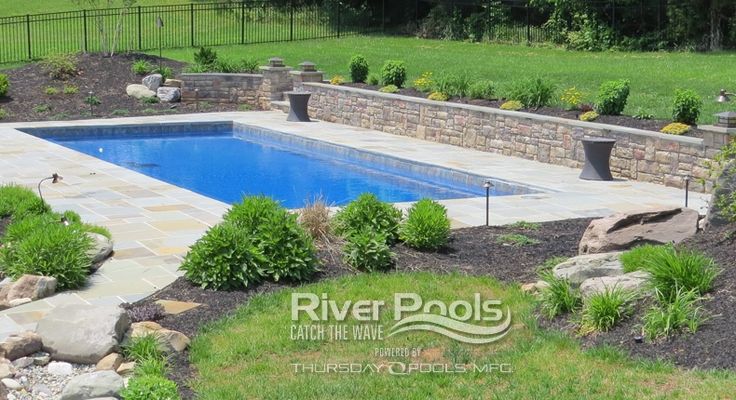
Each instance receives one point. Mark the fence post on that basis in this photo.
(339, 11)
(140, 29)
(191, 19)
(84, 16)
(291, 20)
(28, 35)
(528, 27)
(242, 22)
(383, 16)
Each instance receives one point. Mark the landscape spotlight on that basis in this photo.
(488, 185)
(55, 178)
(723, 96)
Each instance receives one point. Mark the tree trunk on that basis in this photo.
(715, 25)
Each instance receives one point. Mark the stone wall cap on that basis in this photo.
(219, 74)
(516, 114)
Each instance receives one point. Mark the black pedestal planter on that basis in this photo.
(597, 159)
(298, 102)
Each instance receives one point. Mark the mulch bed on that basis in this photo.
(620, 120)
(106, 77)
(471, 251)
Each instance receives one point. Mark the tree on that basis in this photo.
(108, 40)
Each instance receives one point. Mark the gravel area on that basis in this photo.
(34, 382)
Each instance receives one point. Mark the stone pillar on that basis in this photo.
(276, 81)
(307, 73)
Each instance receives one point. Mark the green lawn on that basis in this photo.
(10, 8)
(654, 76)
(250, 355)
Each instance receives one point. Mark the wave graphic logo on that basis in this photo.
(457, 330)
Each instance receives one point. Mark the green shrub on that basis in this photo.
(558, 297)
(516, 240)
(453, 85)
(151, 366)
(612, 97)
(41, 108)
(482, 90)
(228, 66)
(427, 226)
(224, 258)
(120, 112)
(367, 250)
(686, 108)
(602, 311)
(374, 80)
(393, 73)
(3, 114)
(205, 56)
(525, 226)
(680, 269)
(4, 85)
(571, 98)
(642, 114)
(248, 65)
(164, 71)
(389, 89)
(93, 100)
(141, 67)
(51, 91)
(673, 314)
(150, 387)
(70, 89)
(61, 66)
(18, 202)
(635, 259)
(150, 100)
(358, 68)
(142, 348)
(424, 83)
(367, 212)
(197, 69)
(532, 93)
(47, 248)
(288, 249)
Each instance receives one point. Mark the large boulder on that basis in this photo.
(139, 91)
(20, 345)
(101, 247)
(81, 333)
(171, 341)
(93, 385)
(632, 282)
(624, 231)
(578, 269)
(3, 392)
(7, 370)
(32, 287)
(724, 187)
(169, 94)
(153, 81)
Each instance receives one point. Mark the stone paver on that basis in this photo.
(153, 223)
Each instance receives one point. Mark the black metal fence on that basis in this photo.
(198, 24)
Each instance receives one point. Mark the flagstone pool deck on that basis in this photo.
(153, 223)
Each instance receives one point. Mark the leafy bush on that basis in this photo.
(289, 250)
(635, 259)
(516, 240)
(686, 108)
(438, 96)
(197, 69)
(51, 91)
(70, 89)
(337, 80)
(482, 90)
(374, 80)
(141, 67)
(476, 25)
(4, 85)
(367, 250)
(434, 24)
(205, 56)
(3, 114)
(612, 97)
(224, 258)
(61, 66)
(602, 311)
(315, 218)
(41, 108)
(424, 83)
(427, 226)
(512, 105)
(673, 314)
(589, 116)
(164, 71)
(641, 114)
(453, 85)
(150, 387)
(150, 100)
(142, 348)
(393, 73)
(248, 65)
(18, 202)
(358, 68)
(532, 93)
(368, 213)
(676, 128)
(389, 89)
(680, 269)
(571, 98)
(93, 100)
(47, 248)
(558, 297)
(152, 366)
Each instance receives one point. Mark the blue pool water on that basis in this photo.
(225, 167)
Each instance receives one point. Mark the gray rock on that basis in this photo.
(153, 81)
(11, 384)
(633, 282)
(725, 185)
(578, 269)
(19, 302)
(60, 368)
(3, 392)
(101, 247)
(20, 345)
(93, 385)
(42, 359)
(23, 362)
(624, 231)
(32, 287)
(82, 333)
(7, 370)
(5, 282)
(169, 94)
(139, 91)
(42, 390)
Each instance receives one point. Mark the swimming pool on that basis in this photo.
(226, 161)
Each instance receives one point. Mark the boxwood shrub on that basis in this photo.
(393, 73)
(612, 97)
(427, 226)
(150, 387)
(686, 108)
(4, 85)
(368, 213)
(358, 68)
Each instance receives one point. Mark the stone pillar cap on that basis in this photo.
(275, 62)
(308, 66)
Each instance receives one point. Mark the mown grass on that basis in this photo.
(10, 8)
(250, 355)
(654, 76)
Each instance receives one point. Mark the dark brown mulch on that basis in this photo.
(620, 120)
(4, 222)
(472, 251)
(106, 77)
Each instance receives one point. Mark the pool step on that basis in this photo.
(280, 105)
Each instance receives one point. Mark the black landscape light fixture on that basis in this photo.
(160, 26)
(687, 190)
(723, 96)
(638, 339)
(196, 100)
(64, 221)
(488, 185)
(54, 178)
